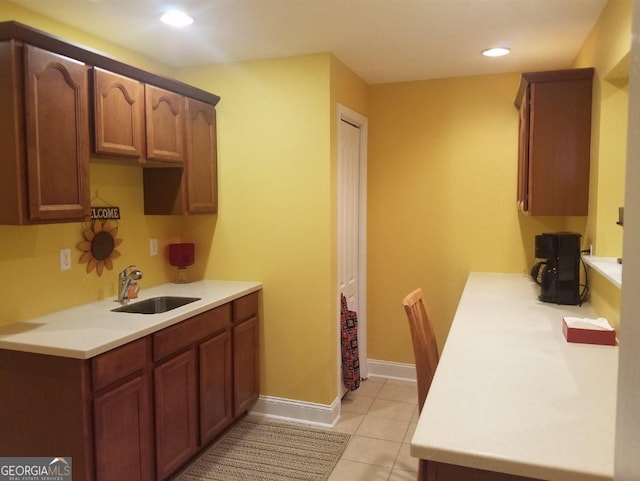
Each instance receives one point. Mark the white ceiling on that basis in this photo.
(381, 40)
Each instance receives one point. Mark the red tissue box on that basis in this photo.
(588, 331)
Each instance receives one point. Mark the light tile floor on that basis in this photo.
(381, 416)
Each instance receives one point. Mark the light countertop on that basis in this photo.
(88, 330)
(608, 267)
(511, 395)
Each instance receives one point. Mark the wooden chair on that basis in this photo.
(425, 351)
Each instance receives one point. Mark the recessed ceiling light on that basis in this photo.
(496, 52)
(176, 18)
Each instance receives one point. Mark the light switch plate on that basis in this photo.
(153, 247)
(65, 259)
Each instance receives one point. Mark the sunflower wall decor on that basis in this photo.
(99, 245)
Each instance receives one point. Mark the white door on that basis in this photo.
(349, 194)
(352, 135)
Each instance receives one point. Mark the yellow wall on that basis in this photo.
(32, 283)
(442, 170)
(442, 180)
(275, 218)
(276, 224)
(607, 49)
(441, 203)
(277, 151)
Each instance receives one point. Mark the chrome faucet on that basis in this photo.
(126, 277)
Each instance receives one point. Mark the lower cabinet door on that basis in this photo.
(176, 412)
(246, 375)
(215, 386)
(123, 432)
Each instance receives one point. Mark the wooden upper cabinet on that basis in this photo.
(194, 188)
(165, 124)
(44, 141)
(45, 124)
(201, 176)
(118, 115)
(554, 142)
(57, 136)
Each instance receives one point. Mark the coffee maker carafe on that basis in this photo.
(559, 274)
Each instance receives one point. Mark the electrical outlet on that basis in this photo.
(153, 247)
(65, 259)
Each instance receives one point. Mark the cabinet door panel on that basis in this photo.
(215, 386)
(184, 334)
(560, 148)
(57, 136)
(245, 365)
(123, 439)
(13, 188)
(554, 151)
(115, 365)
(165, 124)
(449, 472)
(523, 155)
(119, 107)
(201, 161)
(176, 412)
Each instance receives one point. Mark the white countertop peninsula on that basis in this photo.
(88, 330)
(510, 395)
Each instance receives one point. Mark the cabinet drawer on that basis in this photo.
(114, 365)
(186, 333)
(245, 308)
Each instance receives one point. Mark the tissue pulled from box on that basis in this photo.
(600, 324)
(588, 331)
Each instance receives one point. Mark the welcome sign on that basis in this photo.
(104, 213)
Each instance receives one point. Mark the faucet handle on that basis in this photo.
(125, 271)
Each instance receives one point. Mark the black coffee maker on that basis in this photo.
(559, 274)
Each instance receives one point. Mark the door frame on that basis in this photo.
(360, 121)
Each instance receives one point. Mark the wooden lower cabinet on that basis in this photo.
(45, 409)
(245, 365)
(246, 369)
(451, 472)
(215, 386)
(123, 432)
(176, 411)
(141, 411)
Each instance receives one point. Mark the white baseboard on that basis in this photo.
(392, 370)
(324, 415)
(321, 415)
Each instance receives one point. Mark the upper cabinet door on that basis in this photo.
(165, 124)
(523, 153)
(57, 132)
(119, 109)
(201, 174)
(555, 142)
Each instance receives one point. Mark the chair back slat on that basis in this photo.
(425, 349)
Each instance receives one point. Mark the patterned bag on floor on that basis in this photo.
(349, 335)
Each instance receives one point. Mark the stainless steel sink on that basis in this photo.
(156, 305)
